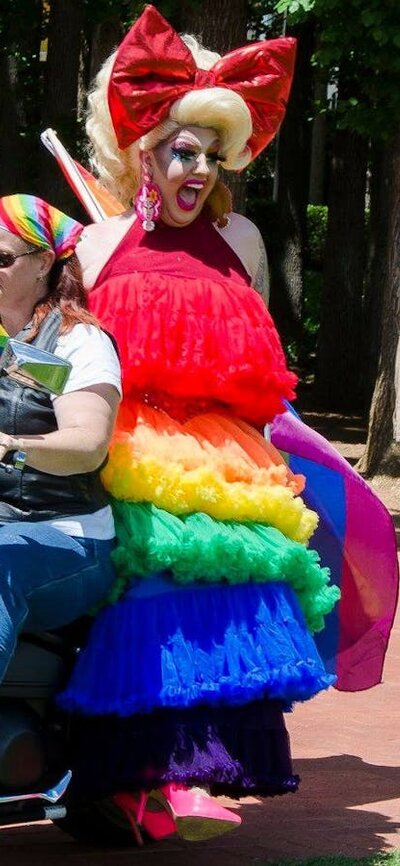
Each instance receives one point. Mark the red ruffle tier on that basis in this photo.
(197, 339)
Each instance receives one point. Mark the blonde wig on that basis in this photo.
(213, 107)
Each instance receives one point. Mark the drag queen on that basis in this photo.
(208, 637)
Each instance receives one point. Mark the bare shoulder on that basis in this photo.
(241, 225)
(245, 239)
(98, 242)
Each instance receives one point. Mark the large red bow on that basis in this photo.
(153, 68)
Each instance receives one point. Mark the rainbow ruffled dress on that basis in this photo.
(208, 636)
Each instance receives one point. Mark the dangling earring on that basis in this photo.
(219, 204)
(148, 200)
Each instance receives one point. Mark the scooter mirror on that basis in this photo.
(36, 368)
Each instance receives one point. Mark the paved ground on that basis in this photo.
(347, 751)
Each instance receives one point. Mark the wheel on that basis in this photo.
(98, 823)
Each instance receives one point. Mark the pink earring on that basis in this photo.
(148, 201)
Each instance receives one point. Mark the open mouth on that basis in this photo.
(188, 194)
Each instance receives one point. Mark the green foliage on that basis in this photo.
(260, 207)
(263, 20)
(317, 220)
(379, 859)
(358, 47)
(295, 7)
(312, 292)
(101, 10)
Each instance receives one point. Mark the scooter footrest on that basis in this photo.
(52, 795)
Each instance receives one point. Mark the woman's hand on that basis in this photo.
(85, 421)
(8, 443)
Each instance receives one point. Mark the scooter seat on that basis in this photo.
(60, 640)
(41, 660)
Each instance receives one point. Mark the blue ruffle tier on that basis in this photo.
(165, 645)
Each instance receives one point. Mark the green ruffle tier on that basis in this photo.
(198, 548)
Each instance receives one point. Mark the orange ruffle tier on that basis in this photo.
(210, 464)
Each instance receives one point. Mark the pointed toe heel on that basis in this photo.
(195, 813)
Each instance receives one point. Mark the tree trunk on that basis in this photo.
(339, 355)
(376, 264)
(318, 160)
(292, 180)
(221, 26)
(19, 95)
(60, 101)
(106, 36)
(11, 151)
(380, 446)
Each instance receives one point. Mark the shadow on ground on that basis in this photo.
(345, 806)
(346, 428)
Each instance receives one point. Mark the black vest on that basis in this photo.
(31, 494)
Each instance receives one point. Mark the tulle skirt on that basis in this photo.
(211, 464)
(165, 645)
(234, 750)
(196, 338)
(187, 676)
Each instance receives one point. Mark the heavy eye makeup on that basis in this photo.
(186, 154)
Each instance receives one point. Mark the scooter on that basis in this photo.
(35, 737)
(35, 779)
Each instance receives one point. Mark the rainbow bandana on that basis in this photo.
(39, 223)
(3, 338)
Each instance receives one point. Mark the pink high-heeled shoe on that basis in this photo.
(158, 824)
(195, 813)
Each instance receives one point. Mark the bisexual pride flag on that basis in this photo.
(356, 539)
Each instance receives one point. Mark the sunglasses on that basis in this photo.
(8, 259)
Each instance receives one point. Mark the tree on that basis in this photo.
(380, 451)
(292, 181)
(60, 98)
(339, 377)
(104, 24)
(10, 146)
(358, 45)
(20, 93)
(221, 27)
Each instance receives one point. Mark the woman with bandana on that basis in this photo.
(56, 526)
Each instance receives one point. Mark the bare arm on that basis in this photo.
(261, 277)
(85, 421)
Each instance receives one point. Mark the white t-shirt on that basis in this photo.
(93, 358)
(94, 361)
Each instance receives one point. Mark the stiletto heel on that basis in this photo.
(157, 823)
(195, 813)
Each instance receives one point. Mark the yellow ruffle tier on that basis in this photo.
(210, 464)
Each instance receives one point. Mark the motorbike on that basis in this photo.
(35, 737)
(35, 744)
